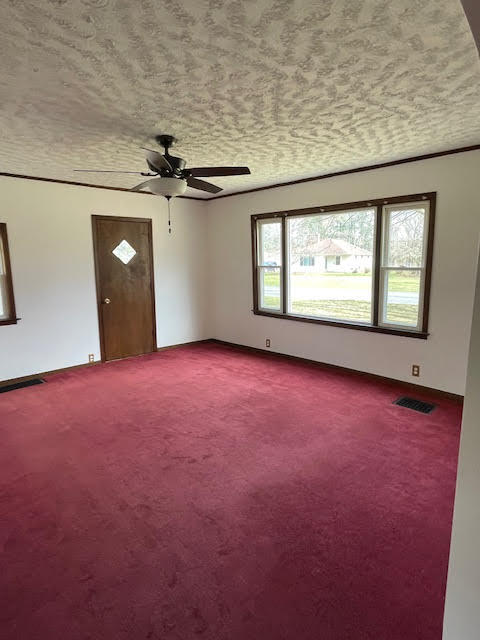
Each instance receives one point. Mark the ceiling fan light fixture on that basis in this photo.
(168, 187)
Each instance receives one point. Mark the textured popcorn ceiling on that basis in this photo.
(290, 87)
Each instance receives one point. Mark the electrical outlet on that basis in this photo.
(416, 370)
(91, 357)
(267, 342)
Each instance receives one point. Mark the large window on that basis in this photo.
(363, 265)
(7, 304)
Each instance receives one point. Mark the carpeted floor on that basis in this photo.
(205, 492)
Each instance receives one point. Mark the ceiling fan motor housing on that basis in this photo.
(178, 164)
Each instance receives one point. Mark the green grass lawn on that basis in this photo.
(399, 282)
(353, 310)
(347, 310)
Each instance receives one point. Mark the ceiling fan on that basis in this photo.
(171, 175)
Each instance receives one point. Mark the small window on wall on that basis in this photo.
(7, 303)
(270, 265)
(307, 261)
(403, 265)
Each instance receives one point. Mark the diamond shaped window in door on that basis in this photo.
(124, 252)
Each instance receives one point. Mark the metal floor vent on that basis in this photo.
(20, 385)
(416, 405)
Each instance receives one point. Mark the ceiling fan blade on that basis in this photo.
(157, 160)
(137, 173)
(141, 186)
(218, 171)
(202, 185)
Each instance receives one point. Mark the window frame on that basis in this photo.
(421, 331)
(385, 268)
(12, 319)
(261, 268)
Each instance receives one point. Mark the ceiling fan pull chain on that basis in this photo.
(169, 219)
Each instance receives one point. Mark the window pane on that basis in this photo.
(124, 252)
(270, 288)
(270, 243)
(331, 258)
(4, 304)
(405, 228)
(4, 309)
(402, 293)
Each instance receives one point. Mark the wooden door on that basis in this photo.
(125, 291)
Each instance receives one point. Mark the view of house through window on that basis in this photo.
(338, 281)
(333, 272)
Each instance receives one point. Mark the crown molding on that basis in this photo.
(371, 167)
(88, 184)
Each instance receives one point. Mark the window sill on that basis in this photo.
(11, 321)
(406, 333)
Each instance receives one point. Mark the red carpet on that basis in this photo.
(208, 492)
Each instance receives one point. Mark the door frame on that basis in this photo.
(97, 278)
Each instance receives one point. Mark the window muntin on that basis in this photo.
(393, 259)
(7, 303)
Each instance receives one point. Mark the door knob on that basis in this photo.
(106, 301)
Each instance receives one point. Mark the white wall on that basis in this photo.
(443, 357)
(50, 237)
(462, 610)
